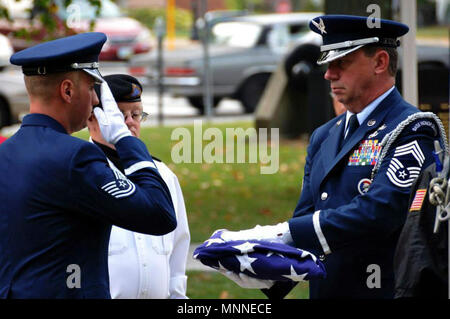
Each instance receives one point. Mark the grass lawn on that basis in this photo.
(212, 285)
(433, 32)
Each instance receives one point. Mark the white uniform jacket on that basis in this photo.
(151, 267)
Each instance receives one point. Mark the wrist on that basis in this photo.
(121, 134)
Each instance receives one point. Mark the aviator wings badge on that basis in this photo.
(320, 26)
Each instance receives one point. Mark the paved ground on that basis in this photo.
(193, 264)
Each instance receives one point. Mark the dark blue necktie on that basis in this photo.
(353, 125)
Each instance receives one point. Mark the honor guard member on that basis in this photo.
(359, 166)
(143, 266)
(58, 195)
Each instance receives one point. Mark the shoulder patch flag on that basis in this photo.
(418, 200)
(120, 187)
(405, 165)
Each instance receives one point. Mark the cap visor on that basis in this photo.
(328, 56)
(95, 74)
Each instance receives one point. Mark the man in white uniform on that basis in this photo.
(143, 266)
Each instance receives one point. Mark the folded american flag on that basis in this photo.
(259, 259)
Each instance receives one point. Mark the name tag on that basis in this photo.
(367, 153)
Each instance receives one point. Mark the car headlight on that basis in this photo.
(144, 37)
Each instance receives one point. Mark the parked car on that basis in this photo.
(244, 51)
(126, 36)
(13, 97)
(6, 50)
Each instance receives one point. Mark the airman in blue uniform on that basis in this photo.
(360, 166)
(58, 196)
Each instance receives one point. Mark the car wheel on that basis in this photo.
(197, 102)
(252, 90)
(4, 113)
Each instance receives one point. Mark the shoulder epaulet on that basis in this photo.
(391, 137)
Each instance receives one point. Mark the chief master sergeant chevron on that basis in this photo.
(58, 196)
(359, 166)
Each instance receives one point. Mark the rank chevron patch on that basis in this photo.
(120, 187)
(405, 165)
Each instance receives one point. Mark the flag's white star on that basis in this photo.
(246, 247)
(294, 276)
(214, 241)
(270, 253)
(246, 262)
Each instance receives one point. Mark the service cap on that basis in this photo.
(343, 34)
(124, 88)
(77, 52)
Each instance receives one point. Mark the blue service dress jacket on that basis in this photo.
(350, 220)
(58, 200)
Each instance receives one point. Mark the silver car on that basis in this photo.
(244, 52)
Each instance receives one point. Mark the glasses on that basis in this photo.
(136, 116)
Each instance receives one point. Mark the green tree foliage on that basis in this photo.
(251, 5)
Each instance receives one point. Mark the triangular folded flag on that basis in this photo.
(260, 259)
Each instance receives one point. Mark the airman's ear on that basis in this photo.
(381, 59)
(66, 90)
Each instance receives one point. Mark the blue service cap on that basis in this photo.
(77, 52)
(343, 34)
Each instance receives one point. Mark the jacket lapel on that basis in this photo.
(328, 151)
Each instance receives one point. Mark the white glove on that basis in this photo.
(279, 233)
(110, 119)
(245, 281)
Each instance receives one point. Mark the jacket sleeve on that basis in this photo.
(138, 201)
(376, 214)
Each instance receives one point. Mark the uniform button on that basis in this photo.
(324, 196)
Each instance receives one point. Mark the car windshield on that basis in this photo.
(236, 34)
(87, 10)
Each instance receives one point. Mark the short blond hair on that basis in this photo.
(45, 87)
